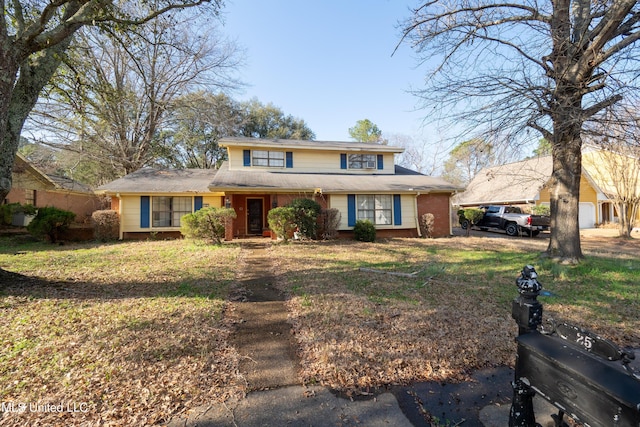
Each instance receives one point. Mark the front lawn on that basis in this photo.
(358, 328)
(133, 333)
(118, 334)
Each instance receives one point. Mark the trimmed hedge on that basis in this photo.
(364, 231)
(306, 216)
(207, 223)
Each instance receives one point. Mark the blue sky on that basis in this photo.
(329, 62)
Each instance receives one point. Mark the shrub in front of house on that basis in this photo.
(207, 223)
(306, 216)
(470, 217)
(329, 223)
(106, 225)
(49, 223)
(427, 225)
(541, 210)
(282, 221)
(364, 231)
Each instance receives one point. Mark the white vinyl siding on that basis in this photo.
(308, 161)
(339, 201)
(130, 210)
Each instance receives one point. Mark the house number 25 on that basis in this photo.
(584, 340)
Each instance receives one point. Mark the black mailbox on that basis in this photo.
(582, 385)
(584, 375)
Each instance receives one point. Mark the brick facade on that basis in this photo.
(437, 204)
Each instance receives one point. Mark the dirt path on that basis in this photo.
(263, 335)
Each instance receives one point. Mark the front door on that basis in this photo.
(254, 214)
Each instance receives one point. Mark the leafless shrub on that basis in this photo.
(106, 225)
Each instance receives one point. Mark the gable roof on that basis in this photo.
(518, 182)
(314, 145)
(612, 172)
(404, 180)
(50, 182)
(148, 180)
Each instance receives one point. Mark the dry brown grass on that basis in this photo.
(359, 330)
(126, 334)
(137, 333)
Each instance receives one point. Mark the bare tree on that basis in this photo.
(613, 159)
(418, 155)
(33, 38)
(549, 66)
(111, 98)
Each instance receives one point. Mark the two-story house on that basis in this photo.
(361, 180)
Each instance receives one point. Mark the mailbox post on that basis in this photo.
(527, 312)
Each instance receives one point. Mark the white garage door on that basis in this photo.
(587, 215)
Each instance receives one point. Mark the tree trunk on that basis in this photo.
(34, 74)
(8, 74)
(627, 212)
(565, 194)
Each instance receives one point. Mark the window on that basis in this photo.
(375, 208)
(167, 211)
(30, 197)
(362, 161)
(274, 159)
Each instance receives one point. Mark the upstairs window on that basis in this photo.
(273, 159)
(362, 161)
(167, 211)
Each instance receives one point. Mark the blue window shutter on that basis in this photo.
(289, 156)
(197, 203)
(380, 162)
(351, 210)
(397, 210)
(246, 157)
(343, 161)
(145, 207)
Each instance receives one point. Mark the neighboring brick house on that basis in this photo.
(361, 180)
(32, 186)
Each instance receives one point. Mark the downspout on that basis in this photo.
(451, 213)
(416, 214)
(120, 227)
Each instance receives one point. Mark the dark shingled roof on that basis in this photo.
(404, 180)
(150, 180)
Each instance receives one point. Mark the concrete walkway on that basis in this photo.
(277, 397)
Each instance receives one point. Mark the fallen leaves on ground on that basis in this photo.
(113, 352)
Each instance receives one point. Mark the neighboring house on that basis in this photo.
(361, 180)
(32, 186)
(527, 183)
